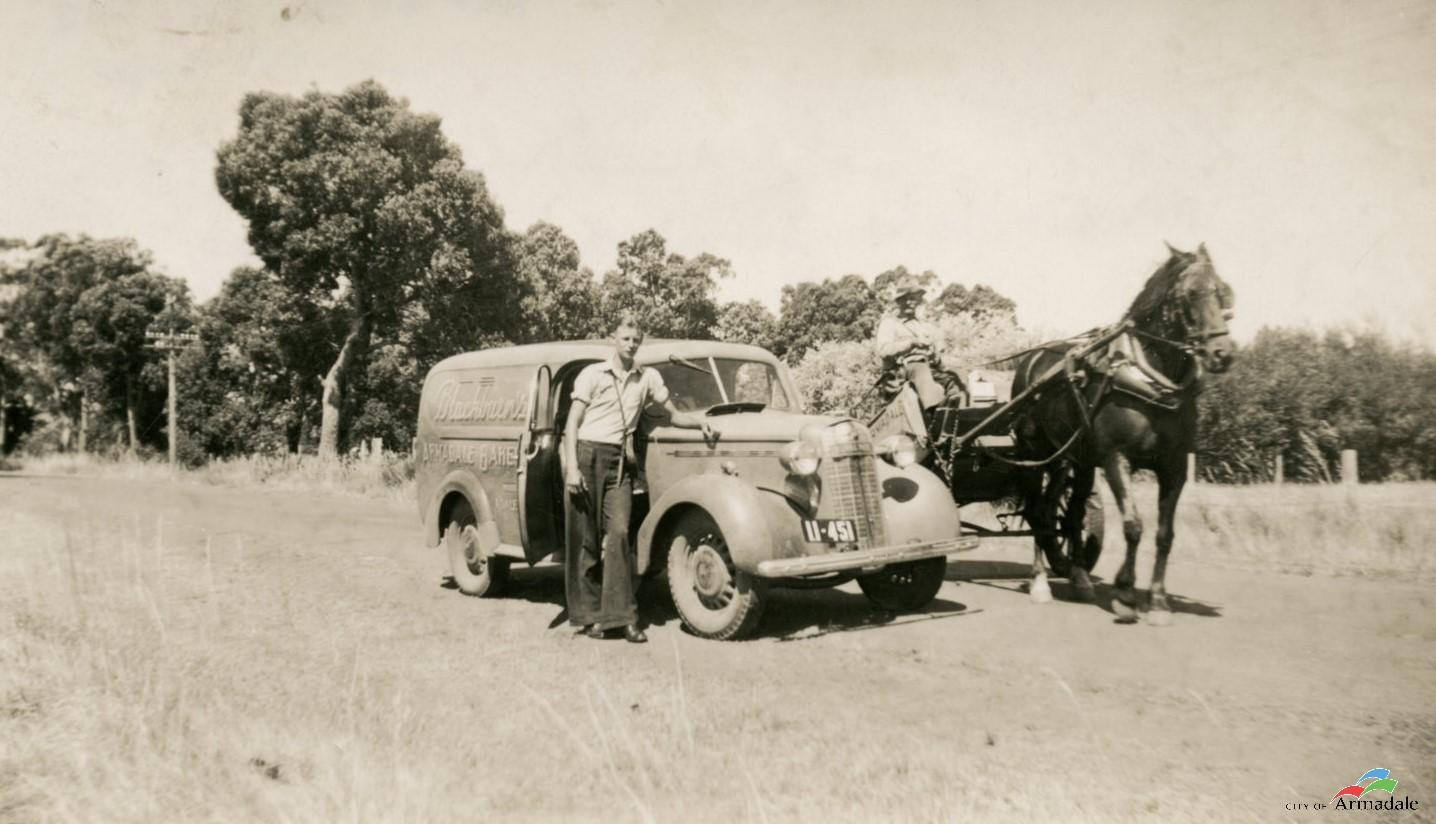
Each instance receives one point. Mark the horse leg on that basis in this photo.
(1169, 489)
(1082, 487)
(1124, 597)
(1038, 590)
(1038, 515)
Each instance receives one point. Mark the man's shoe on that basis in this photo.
(633, 635)
(593, 631)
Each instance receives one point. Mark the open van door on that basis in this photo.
(540, 504)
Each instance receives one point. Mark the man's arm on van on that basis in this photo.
(688, 420)
(572, 478)
(659, 397)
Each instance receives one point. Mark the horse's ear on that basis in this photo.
(1202, 252)
(1170, 248)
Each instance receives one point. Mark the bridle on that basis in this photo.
(1178, 313)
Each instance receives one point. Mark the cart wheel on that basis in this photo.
(715, 599)
(1079, 532)
(475, 570)
(907, 586)
(1094, 528)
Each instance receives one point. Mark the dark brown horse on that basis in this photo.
(1129, 402)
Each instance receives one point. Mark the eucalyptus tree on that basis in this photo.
(363, 208)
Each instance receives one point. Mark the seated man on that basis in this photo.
(907, 345)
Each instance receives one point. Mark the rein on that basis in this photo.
(1087, 407)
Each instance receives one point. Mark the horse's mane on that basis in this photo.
(1158, 287)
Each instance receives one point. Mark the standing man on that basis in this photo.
(609, 397)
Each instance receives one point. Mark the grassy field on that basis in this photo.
(158, 670)
(1301, 529)
(390, 477)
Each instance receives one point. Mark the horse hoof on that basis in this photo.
(1159, 618)
(1040, 592)
(1126, 613)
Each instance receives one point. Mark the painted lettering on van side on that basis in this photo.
(463, 401)
(482, 457)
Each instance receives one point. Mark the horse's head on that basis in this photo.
(1188, 302)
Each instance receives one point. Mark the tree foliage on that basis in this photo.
(363, 207)
(747, 322)
(846, 309)
(980, 301)
(110, 322)
(1306, 397)
(79, 314)
(673, 295)
(248, 384)
(563, 298)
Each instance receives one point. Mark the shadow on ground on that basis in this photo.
(973, 570)
(798, 614)
(1014, 577)
(801, 614)
(1063, 591)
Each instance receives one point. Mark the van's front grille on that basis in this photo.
(850, 483)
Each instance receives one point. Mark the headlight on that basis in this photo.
(800, 458)
(898, 450)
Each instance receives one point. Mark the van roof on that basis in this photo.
(654, 350)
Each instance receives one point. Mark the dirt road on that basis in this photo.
(318, 634)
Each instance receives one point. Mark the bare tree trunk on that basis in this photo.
(2, 416)
(337, 380)
(130, 416)
(84, 418)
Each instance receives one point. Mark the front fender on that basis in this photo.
(757, 525)
(461, 481)
(917, 505)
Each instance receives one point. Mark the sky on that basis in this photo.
(1046, 149)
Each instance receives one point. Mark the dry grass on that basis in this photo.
(1374, 529)
(154, 671)
(151, 677)
(391, 477)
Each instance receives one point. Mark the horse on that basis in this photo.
(1130, 402)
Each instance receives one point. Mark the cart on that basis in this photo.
(981, 449)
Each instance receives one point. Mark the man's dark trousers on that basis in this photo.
(598, 574)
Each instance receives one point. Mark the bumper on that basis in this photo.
(880, 556)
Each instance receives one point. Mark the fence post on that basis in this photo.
(1348, 467)
(1280, 475)
(1191, 467)
(376, 449)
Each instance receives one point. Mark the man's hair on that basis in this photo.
(630, 320)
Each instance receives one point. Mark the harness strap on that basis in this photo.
(629, 454)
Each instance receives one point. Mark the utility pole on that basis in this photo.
(2, 391)
(171, 342)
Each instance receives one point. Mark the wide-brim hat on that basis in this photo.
(908, 286)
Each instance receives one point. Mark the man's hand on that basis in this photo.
(710, 436)
(573, 482)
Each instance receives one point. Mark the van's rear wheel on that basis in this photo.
(476, 570)
(907, 586)
(715, 598)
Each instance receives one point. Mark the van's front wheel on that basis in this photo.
(715, 599)
(475, 569)
(907, 586)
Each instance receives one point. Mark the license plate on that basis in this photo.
(830, 530)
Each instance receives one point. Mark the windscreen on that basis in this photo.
(695, 384)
